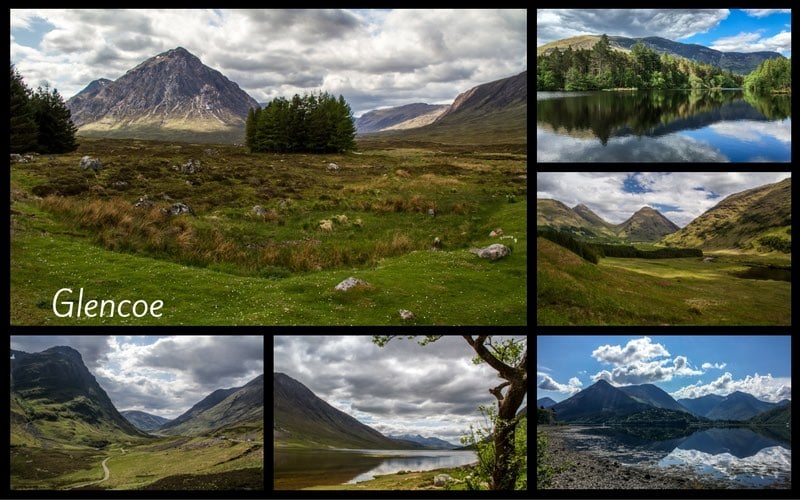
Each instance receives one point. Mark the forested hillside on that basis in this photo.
(643, 68)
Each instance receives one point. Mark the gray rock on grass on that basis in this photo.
(495, 251)
(350, 283)
(87, 162)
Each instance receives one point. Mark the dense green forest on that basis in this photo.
(643, 68)
(312, 123)
(772, 75)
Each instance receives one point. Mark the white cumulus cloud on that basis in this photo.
(764, 387)
(766, 12)
(753, 42)
(548, 384)
(718, 366)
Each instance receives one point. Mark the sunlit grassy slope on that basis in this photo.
(571, 291)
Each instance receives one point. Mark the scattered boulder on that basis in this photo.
(431, 212)
(441, 479)
(144, 202)
(492, 252)
(407, 315)
(437, 244)
(87, 162)
(119, 184)
(342, 219)
(358, 223)
(190, 167)
(17, 158)
(350, 283)
(282, 203)
(177, 209)
(332, 167)
(259, 210)
(496, 233)
(326, 225)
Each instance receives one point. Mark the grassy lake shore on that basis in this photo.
(411, 480)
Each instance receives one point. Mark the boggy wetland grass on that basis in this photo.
(687, 291)
(379, 206)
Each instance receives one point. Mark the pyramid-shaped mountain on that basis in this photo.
(647, 224)
(172, 95)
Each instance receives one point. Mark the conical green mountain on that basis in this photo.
(741, 220)
(646, 225)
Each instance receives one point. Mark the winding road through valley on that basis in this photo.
(106, 474)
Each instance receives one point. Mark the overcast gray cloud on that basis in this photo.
(374, 58)
(680, 196)
(555, 24)
(161, 375)
(398, 389)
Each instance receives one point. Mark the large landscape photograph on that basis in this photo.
(137, 413)
(268, 167)
(664, 248)
(401, 412)
(664, 85)
(664, 413)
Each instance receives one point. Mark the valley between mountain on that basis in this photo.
(66, 434)
(729, 266)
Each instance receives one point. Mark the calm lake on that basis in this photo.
(668, 125)
(301, 468)
(745, 457)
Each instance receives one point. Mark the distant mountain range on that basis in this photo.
(735, 406)
(172, 94)
(545, 402)
(736, 62)
(603, 403)
(741, 220)
(144, 421)
(493, 112)
(427, 442)
(647, 224)
(400, 117)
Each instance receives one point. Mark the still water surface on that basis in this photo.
(669, 125)
(301, 468)
(745, 457)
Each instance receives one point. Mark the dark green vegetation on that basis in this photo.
(571, 291)
(64, 428)
(737, 62)
(779, 416)
(231, 264)
(773, 75)
(40, 121)
(654, 113)
(312, 123)
(644, 68)
(592, 252)
(303, 419)
(742, 220)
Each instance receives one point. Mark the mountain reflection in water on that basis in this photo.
(741, 455)
(715, 126)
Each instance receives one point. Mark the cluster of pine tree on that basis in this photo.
(312, 123)
(772, 75)
(40, 121)
(579, 248)
(627, 251)
(644, 68)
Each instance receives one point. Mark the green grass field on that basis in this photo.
(228, 265)
(571, 291)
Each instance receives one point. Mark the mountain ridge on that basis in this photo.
(737, 62)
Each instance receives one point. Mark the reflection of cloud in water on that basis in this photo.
(552, 147)
(774, 462)
(755, 131)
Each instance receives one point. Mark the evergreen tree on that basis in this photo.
(54, 121)
(22, 123)
(250, 127)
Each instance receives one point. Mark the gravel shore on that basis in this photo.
(586, 470)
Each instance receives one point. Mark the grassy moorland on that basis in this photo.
(689, 291)
(230, 263)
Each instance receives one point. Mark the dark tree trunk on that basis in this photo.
(504, 475)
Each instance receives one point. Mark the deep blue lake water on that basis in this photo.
(655, 126)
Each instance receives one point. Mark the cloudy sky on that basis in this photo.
(684, 366)
(162, 375)
(679, 196)
(402, 388)
(375, 58)
(727, 30)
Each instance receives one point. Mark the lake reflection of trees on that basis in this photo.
(653, 113)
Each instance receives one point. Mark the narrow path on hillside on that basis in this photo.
(106, 474)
